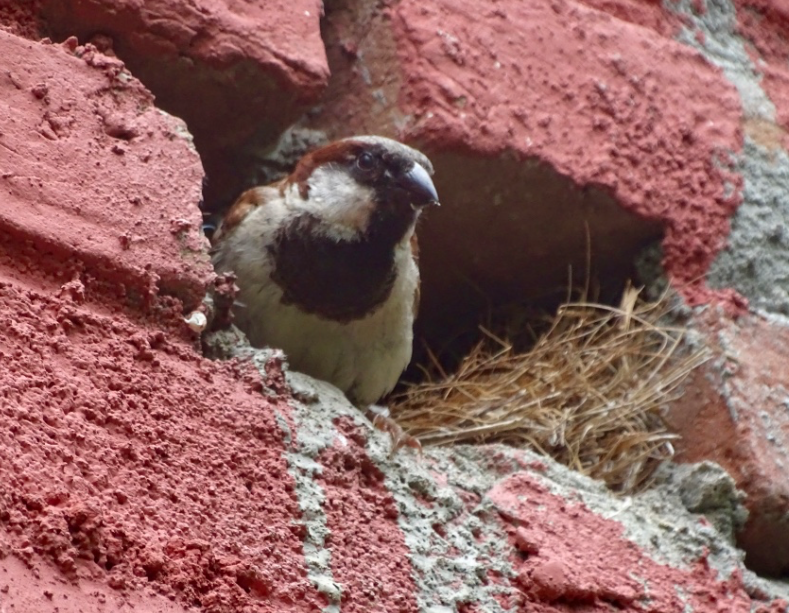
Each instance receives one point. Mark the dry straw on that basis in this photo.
(591, 391)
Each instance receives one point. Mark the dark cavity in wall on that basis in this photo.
(512, 232)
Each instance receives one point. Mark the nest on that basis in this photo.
(591, 391)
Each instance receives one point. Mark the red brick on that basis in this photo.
(735, 411)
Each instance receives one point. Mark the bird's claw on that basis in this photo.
(382, 421)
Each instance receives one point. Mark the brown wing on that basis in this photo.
(246, 202)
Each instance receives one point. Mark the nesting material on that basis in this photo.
(591, 392)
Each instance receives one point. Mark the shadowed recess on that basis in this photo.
(514, 230)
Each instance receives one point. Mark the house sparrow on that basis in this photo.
(326, 263)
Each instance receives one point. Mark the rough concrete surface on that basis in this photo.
(86, 172)
(136, 473)
(735, 413)
(740, 419)
(459, 513)
(232, 70)
(765, 26)
(756, 258)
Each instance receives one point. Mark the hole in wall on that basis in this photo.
(516, 234)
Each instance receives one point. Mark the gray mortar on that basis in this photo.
(450, 569)
(310, 440)
(316, 436)
(755, 261)
(664, 522)
(707, 489)
(723, 47)
(435, 571)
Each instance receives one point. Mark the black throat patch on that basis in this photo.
(341, 281)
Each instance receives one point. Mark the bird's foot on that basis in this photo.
(382, 420)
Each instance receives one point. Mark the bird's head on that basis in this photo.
(365, 185)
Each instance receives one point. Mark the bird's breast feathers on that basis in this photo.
(325, 262)
(363, 355)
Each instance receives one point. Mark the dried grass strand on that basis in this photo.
(591, 392)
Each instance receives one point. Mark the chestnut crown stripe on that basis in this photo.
(411, 167)
(339, 152)
(248, 201)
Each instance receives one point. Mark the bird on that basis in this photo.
(326, 262)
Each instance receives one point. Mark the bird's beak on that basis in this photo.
(420, 187)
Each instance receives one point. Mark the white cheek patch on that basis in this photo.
(339, 201)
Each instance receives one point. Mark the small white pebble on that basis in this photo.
(197, 321)
(379, 410)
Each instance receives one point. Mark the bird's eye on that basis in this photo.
(365, 161)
